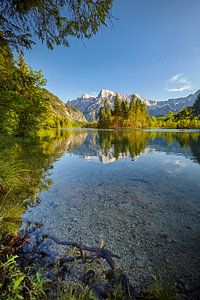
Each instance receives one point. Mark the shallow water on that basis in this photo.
(137, 190)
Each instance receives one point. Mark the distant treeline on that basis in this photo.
(188, 117)
(135, 115)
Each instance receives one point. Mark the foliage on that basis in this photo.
(11, 174)
(188, 117)
(25, 105)
(72, 291)
(38, 286)
(53, 22)
(22, 99)
(19, 285)
(90, 125)
(60, 115)
(123, 115)
(135, 115)
(25, 168)
(11, 279)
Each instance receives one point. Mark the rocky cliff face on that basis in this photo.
(90, 105)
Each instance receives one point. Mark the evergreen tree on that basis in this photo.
(102, 118)
(135, 115)
(138, 115)
(117, 106)
(106, 105)
(108, 114)
(132, 105)
(22, 99)
(125, 109)
(117, 111)
(52, 22)
(132, 112)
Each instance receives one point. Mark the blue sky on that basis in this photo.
(151, 48)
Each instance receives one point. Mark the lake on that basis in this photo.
(139, 191)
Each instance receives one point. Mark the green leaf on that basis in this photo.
(18, 282)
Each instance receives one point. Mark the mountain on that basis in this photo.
(65, 111)
(163, 107)
(90, 105)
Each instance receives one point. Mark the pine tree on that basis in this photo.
(117, 106)
(135, 115)
(117, 111)
(132, 112)
(52, 22)
(102, 118)
(124, 110)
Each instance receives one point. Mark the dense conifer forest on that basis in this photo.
(135, 115)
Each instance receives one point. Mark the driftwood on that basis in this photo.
(101, 252)
(15, 243)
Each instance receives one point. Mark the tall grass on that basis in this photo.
(11, 174)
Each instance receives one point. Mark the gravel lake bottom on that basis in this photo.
(139, 191)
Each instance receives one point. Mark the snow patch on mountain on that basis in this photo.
(87, 96)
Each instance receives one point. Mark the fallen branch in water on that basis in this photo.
(14, 244)
(101, 252)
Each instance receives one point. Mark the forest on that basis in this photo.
(26, 106)
(188, 117)
(123, 115)
(135, 115)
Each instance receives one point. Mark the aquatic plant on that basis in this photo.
(160, 290)
(10, 173)
(73, 291)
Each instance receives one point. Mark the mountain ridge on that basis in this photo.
(89, 105)
(63, 110)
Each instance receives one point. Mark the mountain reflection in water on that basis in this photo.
(110, 146)
(137, 190)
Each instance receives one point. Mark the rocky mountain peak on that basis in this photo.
(87, 96)
(106, 93)
(90, 108)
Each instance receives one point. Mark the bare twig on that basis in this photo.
(100, 252)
